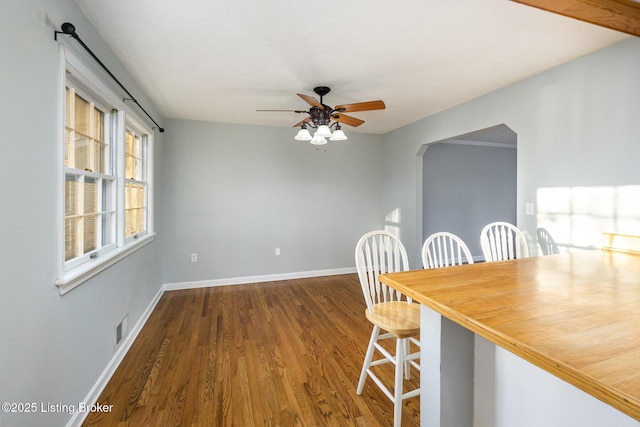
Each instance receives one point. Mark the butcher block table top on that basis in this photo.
(575, 315)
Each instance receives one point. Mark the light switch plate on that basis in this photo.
(529, 208)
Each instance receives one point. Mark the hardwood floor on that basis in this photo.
(285, 353)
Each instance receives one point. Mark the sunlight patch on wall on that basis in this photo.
(576, 217)
(392, 222)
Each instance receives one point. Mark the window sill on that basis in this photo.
(89, 269)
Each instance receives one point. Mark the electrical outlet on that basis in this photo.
(277, 251)
(194, 257)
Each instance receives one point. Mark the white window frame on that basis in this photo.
(76, 271)
(105, 178)
(135, 127)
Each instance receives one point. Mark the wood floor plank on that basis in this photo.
(285, 353)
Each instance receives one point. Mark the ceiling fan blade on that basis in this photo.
(307, 120)
(311, 101)
(347, 120)
(361, 106)
(289, 111)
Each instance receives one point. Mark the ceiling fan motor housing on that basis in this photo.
(320, 117)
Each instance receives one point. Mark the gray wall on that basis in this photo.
(234, 193)
(466, 187)
(52, 348)
(578, 149)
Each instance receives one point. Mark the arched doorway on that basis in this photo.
(469, 181)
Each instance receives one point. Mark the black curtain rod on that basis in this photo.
(70, 29)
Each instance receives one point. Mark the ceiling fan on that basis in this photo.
(323, 117)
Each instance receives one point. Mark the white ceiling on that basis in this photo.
(220, 60)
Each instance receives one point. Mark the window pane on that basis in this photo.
(90, 189)
(98, 125)
(71, 186)
(135, 209)
(81, 152)
(70, 228)
(90, 233)
(98, 147)
(108, 209)
(90, 196)
(82, 216)
(97, 157)
(81, 109)
(133, 157)
(67, 116)
(69, 135)
(85, 148)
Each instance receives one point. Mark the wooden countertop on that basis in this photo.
(574, 315)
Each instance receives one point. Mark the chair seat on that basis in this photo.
(400, 318)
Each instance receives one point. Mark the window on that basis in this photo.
(106, 179)
(135, 184)
(89, 185)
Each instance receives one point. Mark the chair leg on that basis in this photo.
(407, 364)
(368, 357)
(397, 391)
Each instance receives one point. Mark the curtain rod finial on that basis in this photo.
(68, 28)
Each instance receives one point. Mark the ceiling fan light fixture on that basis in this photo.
(338, 135)
(318, 140)
(323, 131)
(303, 135)
(322, 117)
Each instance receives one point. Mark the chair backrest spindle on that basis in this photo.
(503, 241)
(444, 249)
(379, 252)
(546, 242)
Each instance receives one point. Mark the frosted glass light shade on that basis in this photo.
(318, 140)
(303, 135)
(338, 135)
(323, 131)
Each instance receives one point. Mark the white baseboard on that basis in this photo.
(78, 418)
(257, 279)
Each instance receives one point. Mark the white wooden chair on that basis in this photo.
(444, 249)
(502, 241)
(546, 242)
(379, 252)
